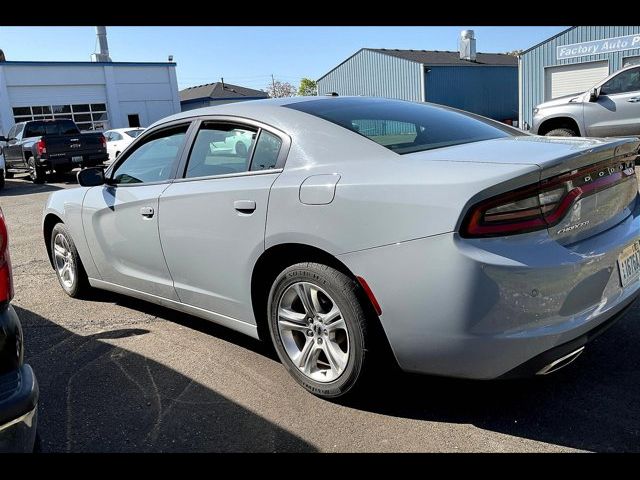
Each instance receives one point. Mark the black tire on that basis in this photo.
(343, 292)
(80, 285)
(561, 132)
(36, 172)
(1, 179)
(8, 174)
(240, 149)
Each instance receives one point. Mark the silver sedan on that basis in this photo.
(358, 232)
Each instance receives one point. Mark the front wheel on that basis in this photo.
(318, 328)
(8, 174)
(66, 262)
(561, 132)
(36, 172)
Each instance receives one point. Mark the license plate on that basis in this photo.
(76, 159)
(629, 264)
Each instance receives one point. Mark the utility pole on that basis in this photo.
(273, 84)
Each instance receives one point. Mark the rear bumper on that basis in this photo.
(481, 308)
(18, 410)
(88, 160)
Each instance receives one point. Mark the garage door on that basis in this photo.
(575, 78)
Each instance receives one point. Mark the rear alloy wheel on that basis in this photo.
(318, 328)
(67, 263)
(561, 132)
(36, 172)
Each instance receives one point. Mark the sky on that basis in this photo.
(248, 56)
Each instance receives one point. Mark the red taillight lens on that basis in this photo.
(103, 140)
(544, 204)
(6, 275)
(41, 147)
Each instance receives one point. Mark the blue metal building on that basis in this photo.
(572, 62)
(486, 85)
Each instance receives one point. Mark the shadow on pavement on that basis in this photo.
(19, 186)
(95, 396)
(593, 404)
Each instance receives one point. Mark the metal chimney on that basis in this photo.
(103, 54)
(467, 45)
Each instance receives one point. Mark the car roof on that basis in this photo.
(256, 108)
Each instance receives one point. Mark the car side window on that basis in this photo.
(115, 136)
(220, 149)
(267, 150)
(628, 81)
(152, 160)
(12, 132)
(18, 134)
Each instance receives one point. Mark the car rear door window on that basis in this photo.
(153, 160)
(220, 149)
(267, 150)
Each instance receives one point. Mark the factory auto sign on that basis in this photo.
(598, 46)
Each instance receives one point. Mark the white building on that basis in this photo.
(96, 95)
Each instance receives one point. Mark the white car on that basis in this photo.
(118, 139)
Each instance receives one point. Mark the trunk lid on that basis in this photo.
(599, 173)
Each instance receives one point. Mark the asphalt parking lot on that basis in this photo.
(118, 374)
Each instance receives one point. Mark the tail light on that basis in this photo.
(6, 275)
(41, 147)
(544, 204)
(103, 141)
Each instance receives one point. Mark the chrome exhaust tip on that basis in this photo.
(560, 362)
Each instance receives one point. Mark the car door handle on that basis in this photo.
(147, 212)
(634, 100)
(245, 206)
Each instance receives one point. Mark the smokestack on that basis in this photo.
(467, 46)
(103, 54)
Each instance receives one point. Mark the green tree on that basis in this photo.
(307, 87)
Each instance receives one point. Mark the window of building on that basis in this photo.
(88, 116)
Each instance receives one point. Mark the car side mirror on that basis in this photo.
(594, 94)
(91, 177)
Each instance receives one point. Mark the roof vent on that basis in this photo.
(467, 45)
(103, 46)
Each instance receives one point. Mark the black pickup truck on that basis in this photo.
(39, 146)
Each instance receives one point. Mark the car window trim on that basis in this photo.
(240, 122)
(141, 139)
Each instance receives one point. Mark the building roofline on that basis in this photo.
(341, 63)
(547, 40)
(52, 63)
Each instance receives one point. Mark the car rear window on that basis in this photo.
(134, 133)
(56, 127)
(404, 127)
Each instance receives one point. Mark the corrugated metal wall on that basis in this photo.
(488, 91)
(534, 62)
(375, 74)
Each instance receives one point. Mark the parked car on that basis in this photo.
(237, 142)
(120, 138)
(2, 166)
(18, 385)
(38, 146)
(610, 108)
(470, 248)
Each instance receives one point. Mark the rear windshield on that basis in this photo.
(404, 127)
(56, 127)
(134, 133)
